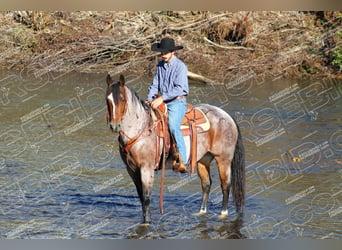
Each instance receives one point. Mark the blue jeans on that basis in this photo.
(176, 110)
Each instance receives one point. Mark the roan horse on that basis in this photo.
(131, 117)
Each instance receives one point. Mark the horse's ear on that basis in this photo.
(109, 80)
(122, 80)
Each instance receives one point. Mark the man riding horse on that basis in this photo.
(170, 85)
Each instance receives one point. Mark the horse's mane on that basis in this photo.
(137, 99)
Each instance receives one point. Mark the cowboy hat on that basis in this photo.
(166, 44)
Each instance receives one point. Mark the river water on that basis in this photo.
(62, 176)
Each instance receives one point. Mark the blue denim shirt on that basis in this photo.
(170, 80)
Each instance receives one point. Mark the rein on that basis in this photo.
(163, 163)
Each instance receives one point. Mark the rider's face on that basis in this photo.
(167, 56)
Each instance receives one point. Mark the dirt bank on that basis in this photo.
(218, 45)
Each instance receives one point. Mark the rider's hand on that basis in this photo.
(156, 102)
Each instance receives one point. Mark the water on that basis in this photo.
(62, 176)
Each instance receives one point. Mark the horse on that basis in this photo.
(130, 116)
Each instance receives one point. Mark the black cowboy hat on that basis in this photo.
(166, 44)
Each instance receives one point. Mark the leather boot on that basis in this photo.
(178, 165)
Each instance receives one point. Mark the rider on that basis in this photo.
(171, 82)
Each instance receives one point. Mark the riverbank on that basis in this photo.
(217, 45)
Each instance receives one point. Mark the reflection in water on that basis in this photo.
(62, 176)
(204, 228)
(221, 230)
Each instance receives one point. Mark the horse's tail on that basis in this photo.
(238, 174)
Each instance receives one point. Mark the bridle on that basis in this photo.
(123, 99)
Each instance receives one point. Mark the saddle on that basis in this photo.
(194, 122)
(194, 117)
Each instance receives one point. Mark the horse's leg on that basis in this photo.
(147, 177)
(224, 168)
(204, 173)
(141, 181)
(134, 172)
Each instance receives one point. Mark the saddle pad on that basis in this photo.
(195, 115)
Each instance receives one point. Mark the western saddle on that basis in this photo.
(194, 122)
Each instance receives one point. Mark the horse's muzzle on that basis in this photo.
(115, 127)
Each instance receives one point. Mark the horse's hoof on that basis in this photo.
(145, 223)
(200, 213)
(224, 214)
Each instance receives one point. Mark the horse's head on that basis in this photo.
(116, 99)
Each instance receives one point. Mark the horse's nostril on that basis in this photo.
(114, 127)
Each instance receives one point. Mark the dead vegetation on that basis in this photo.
(217, 45)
